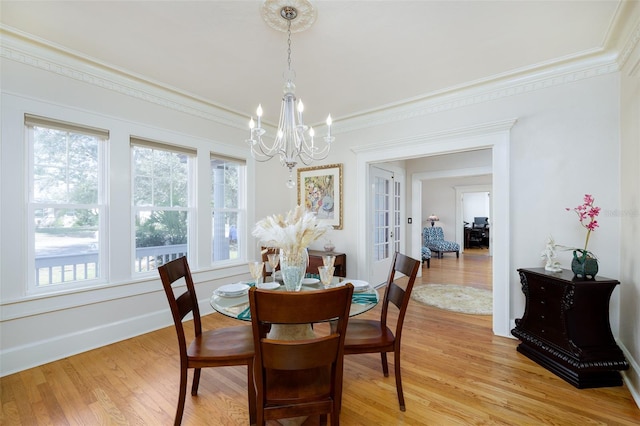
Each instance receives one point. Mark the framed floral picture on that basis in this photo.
(320, 191)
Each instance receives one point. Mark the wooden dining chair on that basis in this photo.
(297, 378)
(221, 347)
(373, 336)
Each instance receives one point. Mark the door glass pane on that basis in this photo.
(382, 224)
(396, 213)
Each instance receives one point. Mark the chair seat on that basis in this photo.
(364, 335)
(224, 345)
(443, 246)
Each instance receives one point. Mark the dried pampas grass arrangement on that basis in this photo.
(294, 232)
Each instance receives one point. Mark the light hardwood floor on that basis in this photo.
(455, 372)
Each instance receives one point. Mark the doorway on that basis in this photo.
(473, 209)
(490, 135)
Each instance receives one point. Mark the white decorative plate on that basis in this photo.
(358, 285)
(268, 286)
(310, 281)
(232, 290)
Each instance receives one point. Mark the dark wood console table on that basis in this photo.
(315, 260)
(565, 327)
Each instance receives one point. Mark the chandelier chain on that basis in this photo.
(289, 43)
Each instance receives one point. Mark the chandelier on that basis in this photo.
(294, 141)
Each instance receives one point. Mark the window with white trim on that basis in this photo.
(228, 211)
(162, 202)
(67, 203)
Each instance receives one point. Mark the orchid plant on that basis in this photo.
(292, 233)
(587, 214)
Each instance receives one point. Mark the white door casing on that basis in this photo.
(494, 135)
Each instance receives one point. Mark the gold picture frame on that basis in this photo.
(320, 191)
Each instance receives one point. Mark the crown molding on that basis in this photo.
(29, 50)
(484, 91)
(629, 47)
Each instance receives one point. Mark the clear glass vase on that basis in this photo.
(293, 265)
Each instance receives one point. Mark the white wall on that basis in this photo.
(476, 204)
(629, 214)
(439, 193)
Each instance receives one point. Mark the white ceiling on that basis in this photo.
(358, 56)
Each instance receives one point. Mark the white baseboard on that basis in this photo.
(631, 377)
(44, 351)
(47, 350)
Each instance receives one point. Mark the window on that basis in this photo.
(66, 202)
(227, 208)
(162, 202)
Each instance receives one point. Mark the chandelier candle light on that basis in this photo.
(294, 140)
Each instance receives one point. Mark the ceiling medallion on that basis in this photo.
(302, 14)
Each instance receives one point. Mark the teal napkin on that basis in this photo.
(364, 299)
(245, 315)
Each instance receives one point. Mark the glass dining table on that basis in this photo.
(236, 304)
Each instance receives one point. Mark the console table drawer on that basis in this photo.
(315, 260)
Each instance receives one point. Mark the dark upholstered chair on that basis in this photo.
(433, 238)
(302, 377)
(375, 336)
(212, 348)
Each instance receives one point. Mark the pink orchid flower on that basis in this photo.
(587, 214)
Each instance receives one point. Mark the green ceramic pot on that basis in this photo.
(583, 265)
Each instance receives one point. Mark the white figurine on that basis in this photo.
(549, 254)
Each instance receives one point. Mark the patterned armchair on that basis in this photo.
(426, 255)
(433, 238)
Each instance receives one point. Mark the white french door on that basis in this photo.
(386, 220)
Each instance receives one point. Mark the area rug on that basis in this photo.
(457, 298)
